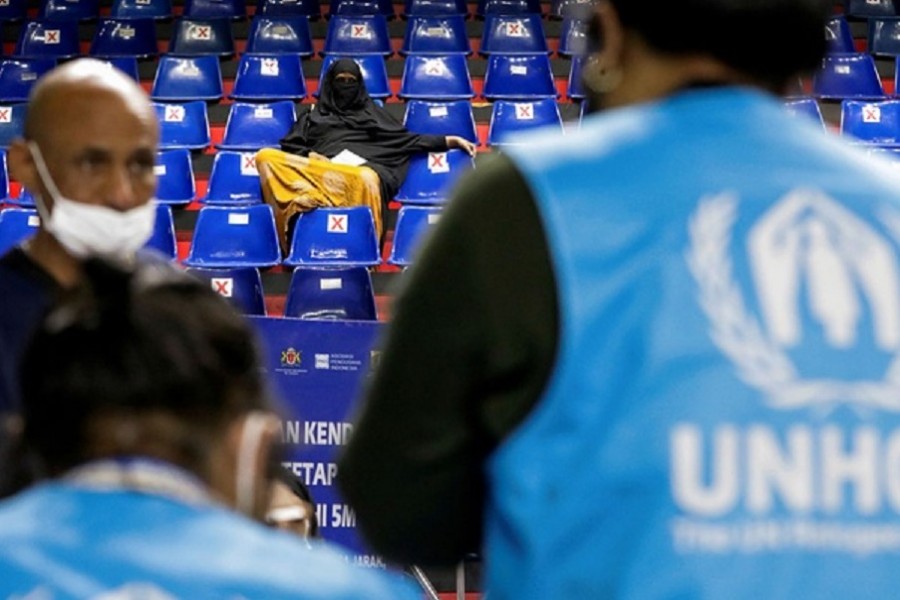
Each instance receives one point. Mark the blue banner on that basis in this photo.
(318, 368)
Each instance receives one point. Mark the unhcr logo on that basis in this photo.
(807, 256)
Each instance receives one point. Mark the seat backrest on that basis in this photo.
(513, 35)
(575, 86)
(884, 36)
(280, 35)
(4, 178)
(373, 69)
(334, 237)
(573, 37)
(850, 75)
(13, 10)
(436, 35)
(163, 237)
(362, 7)
(255, 126)
(142, 9)
(17, 225)
(186, 78)
(234, 179)
(18, 75)
(436, 78)
(519, 77)
(507, 7)
(230, 236)
(126, 64)
(357, 35)
(175, 183)
(426, 8)
(202, 36)
(511, 117)
(125, 37)
(183, 125)
(413, 226)
(57, 39)
(872, 122)
(12, 122)
(332, 293)
(290, 8)
(69, 10)
(431, 175)
(578, 9)
(441, 118)
(242, 286)
(871, 8)
(806, 108)
(215, 9)
(269, 77)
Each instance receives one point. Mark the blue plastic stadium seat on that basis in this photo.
(363, 7)
(872, 122)
(578, 9)
(4, 178)
(331, 293)
(12, 122)
(215, 9)
(183, 125)
(69, 10)
(510, 117)
(255, 126)
(125, 37)
(806, 108)
(357, 35)
(281, 35)
(163, 237)
(436, 35)
(334, 237)
(269, 77)
(575, 87)
(892, 155)
(573, 37)
(413, 226)
(290, 8)
(871, 8)
(374, 73)
(17, 76)
(142, 9)
(431, 176)
(232, 236)
(441, 118)
(436, 78)
(175, 182)
(884, 36)
(17, 225)
(13, 10)
(507, 7)
(56, 39)
(519, 77)
(513, 35)
(25, 199)
(434, 8)
(202, 36)
(851, 75)
(234, 179)
(186, 78)
(242, 286)
(838, 35)
(126, 64)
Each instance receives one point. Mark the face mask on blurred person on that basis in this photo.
(344, 92)
(86, 230)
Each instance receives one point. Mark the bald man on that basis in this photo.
(87, 156)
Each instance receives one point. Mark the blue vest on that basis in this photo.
(723, 420)
(64, 540)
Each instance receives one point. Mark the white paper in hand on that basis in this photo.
(345, 157)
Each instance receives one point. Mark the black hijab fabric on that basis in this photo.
(346, 118)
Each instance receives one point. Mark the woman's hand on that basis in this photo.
(317, 156)
(454, 141)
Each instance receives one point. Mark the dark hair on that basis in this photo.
(151, 342)
(768, 40)
(299, 489)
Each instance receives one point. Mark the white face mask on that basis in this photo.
(91, 230)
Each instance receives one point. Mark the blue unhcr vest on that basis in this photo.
(724, 416)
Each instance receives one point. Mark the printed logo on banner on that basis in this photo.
(224, 286)
(174, 114)
(871, 113)
(248, 164)
(337, 224)
(438, 163)
(51, 36)
(6, 114)
(322, 361)
(291, 357)
(269, 67)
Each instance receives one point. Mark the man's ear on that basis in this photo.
(21, 166)
(607, 36)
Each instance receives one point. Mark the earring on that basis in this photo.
(600, 78)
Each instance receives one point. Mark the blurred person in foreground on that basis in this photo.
(658, 357)
(87, 156)
(144, 406)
